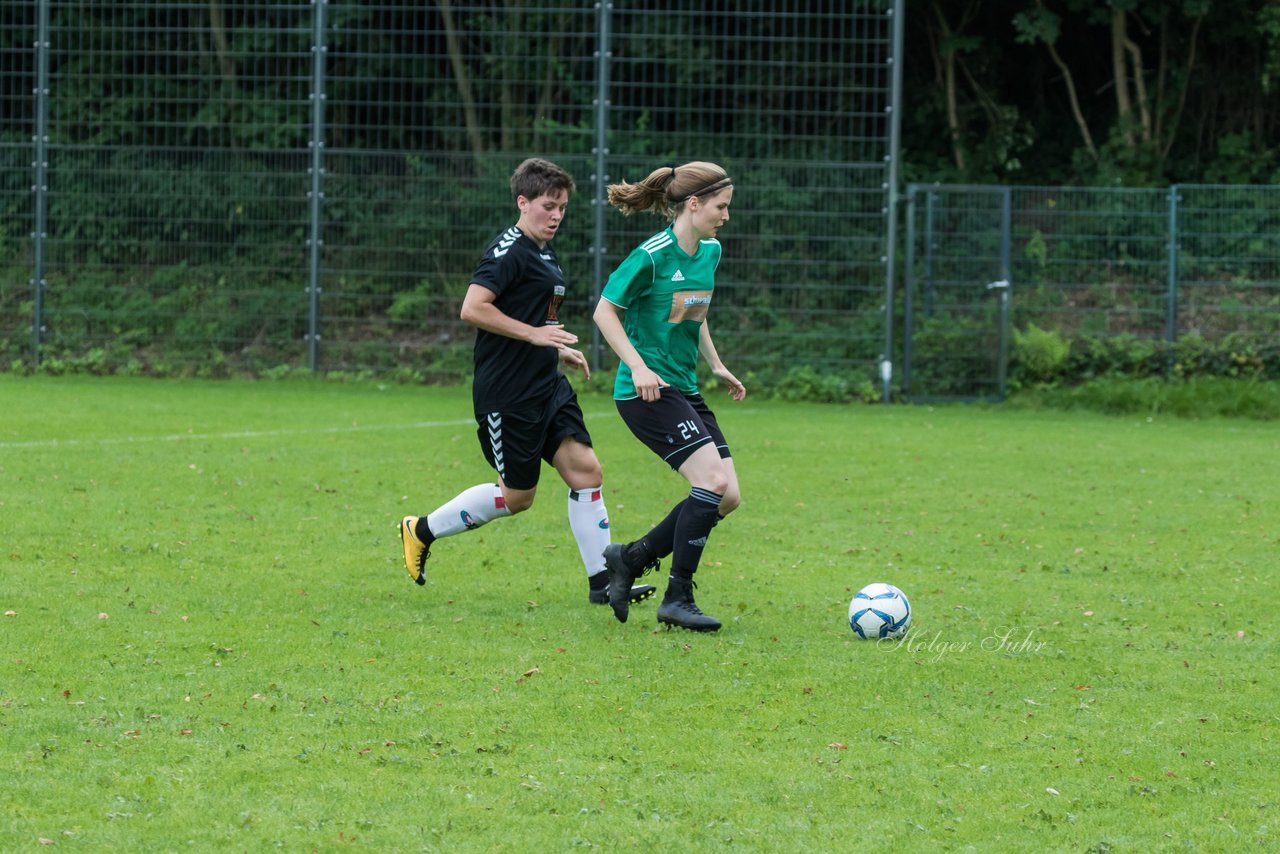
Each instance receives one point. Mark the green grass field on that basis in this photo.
(209, 641)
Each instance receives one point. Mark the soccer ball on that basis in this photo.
(879, 611)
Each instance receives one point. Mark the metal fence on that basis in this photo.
(1188, 262)
(239, 185)
(233, 186)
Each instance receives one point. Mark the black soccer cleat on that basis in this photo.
(639, 593)
(678, 609)
(620, 579)
(625, 564)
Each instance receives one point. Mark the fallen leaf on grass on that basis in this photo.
(838, 745)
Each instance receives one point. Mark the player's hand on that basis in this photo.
(575, 359)
(736, 389)
(648, 384)
(551, 336)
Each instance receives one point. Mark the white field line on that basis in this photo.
(239, 434)
(263, 434)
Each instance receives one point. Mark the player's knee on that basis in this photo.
(518, 501)
(588, 473)
(718, 483)
(731, 501)
(578, 465)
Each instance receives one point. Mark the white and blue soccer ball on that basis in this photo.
(879, 611)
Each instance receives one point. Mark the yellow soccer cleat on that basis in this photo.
(416, 551)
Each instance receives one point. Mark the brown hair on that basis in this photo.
(665, 190)
(536, 177)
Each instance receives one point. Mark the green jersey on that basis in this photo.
(664, 293)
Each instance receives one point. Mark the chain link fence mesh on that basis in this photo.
(221, 187)
(1140, 281)
(259, 186)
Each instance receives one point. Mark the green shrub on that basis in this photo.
(1039, 355)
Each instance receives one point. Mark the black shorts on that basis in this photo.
(515, 442)
(673, 426)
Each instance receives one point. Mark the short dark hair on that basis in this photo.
(536, 177)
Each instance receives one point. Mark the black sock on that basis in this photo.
(422, 531)
(698, 515)
(663, 535)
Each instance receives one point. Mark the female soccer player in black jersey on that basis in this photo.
(525, 409)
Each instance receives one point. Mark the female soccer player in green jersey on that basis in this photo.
(653, 313)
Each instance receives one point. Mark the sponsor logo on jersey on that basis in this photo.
(689, 305)
(677, 276)
(553, 307)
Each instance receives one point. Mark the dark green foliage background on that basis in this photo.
(178, 230)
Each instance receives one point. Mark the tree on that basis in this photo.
(1145, 122)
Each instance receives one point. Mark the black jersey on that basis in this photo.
(529, 284)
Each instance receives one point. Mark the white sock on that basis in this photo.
(590, 523)
(471, 508)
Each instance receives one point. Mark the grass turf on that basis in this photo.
(210, 641)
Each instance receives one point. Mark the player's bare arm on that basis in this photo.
(478, 310)
(708, 350)
(609, 318)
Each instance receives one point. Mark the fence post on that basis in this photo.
(1006, 276)
(929, 246)
(604, 23)
(316, 194)
(40, 178)
(908, 288)
(1171, 300)
(891, 194)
